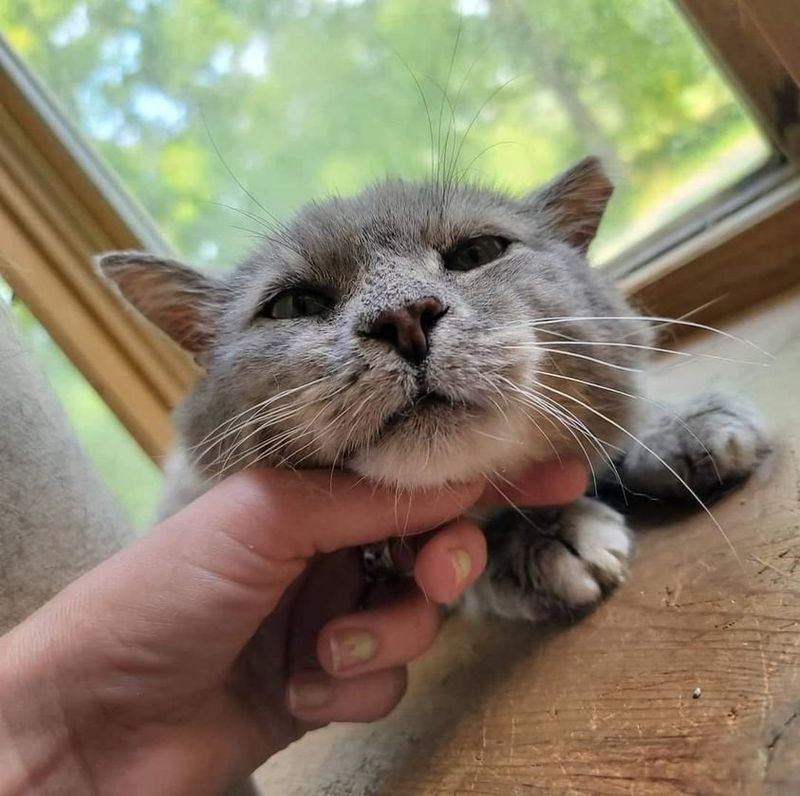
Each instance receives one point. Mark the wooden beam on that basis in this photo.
(77, 331)
(749, 256)
(59, 208)
(779, 22)
(751, 64)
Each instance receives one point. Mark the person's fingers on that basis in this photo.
(333, 587)
(546, 484)
(451, 561)
(316, 698)
(381, 638)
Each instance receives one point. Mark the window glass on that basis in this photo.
(128, 472)
(300, 98)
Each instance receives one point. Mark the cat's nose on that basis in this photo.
(407, 328)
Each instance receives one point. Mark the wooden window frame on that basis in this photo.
(59, 207)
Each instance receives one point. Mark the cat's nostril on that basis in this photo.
(407, 328)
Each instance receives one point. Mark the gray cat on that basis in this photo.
(420, 334)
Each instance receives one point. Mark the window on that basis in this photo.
(299, 99)
(160, 122)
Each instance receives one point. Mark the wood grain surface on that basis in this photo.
(607, 706)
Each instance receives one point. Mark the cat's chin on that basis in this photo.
(421, 461)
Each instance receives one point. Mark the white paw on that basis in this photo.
(595, 557)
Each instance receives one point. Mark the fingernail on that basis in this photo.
(462, 564)
(350, 648)
(309, 694)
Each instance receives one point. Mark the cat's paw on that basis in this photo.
(710, 442)
(558, 564)
(589, 556)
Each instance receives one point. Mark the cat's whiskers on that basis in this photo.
(498, 439)
(275, 231)
(575, 354)
(698, 308)
(526, 519)
(225, 424)
(265, 422)
(262, 423)
(345, 415)
(273, 443)
(490, 383)
(570, 421)
(292, 461)
(343, 446)
(537, 322)
(664, 463)
(637, 346)
(537, 403)
(275, 225)
(258, 452)
(317, 433)
(639, 397)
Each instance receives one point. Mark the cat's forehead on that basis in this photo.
(398, 213)
(394, 218)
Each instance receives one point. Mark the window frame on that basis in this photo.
(59, 206)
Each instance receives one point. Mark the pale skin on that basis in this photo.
(186, 660)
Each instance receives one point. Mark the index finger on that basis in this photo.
(542, 484)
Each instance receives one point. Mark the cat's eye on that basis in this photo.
(296, 303)
(474, 253)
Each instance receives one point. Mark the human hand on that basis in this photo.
(187, 659)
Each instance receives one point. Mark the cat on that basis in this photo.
(420, 334)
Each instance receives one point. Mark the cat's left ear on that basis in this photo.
(572, 205)
(181, 301)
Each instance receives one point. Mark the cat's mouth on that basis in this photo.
(426, 403)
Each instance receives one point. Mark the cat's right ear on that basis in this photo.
(572, 205)
(180, 301)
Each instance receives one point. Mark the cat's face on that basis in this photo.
(406, 334)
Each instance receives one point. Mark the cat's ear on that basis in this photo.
(182, 302)
(572, 205)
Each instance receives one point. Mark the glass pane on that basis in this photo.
(128, 472)
(299, 98)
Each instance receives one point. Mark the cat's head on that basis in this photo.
(416, 334)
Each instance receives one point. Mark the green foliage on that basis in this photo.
(300, 98)
(306, 97)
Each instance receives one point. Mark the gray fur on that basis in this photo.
(317, 392)
(710, 441)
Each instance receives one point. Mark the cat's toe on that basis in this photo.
(591, 557)
(735, 444)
